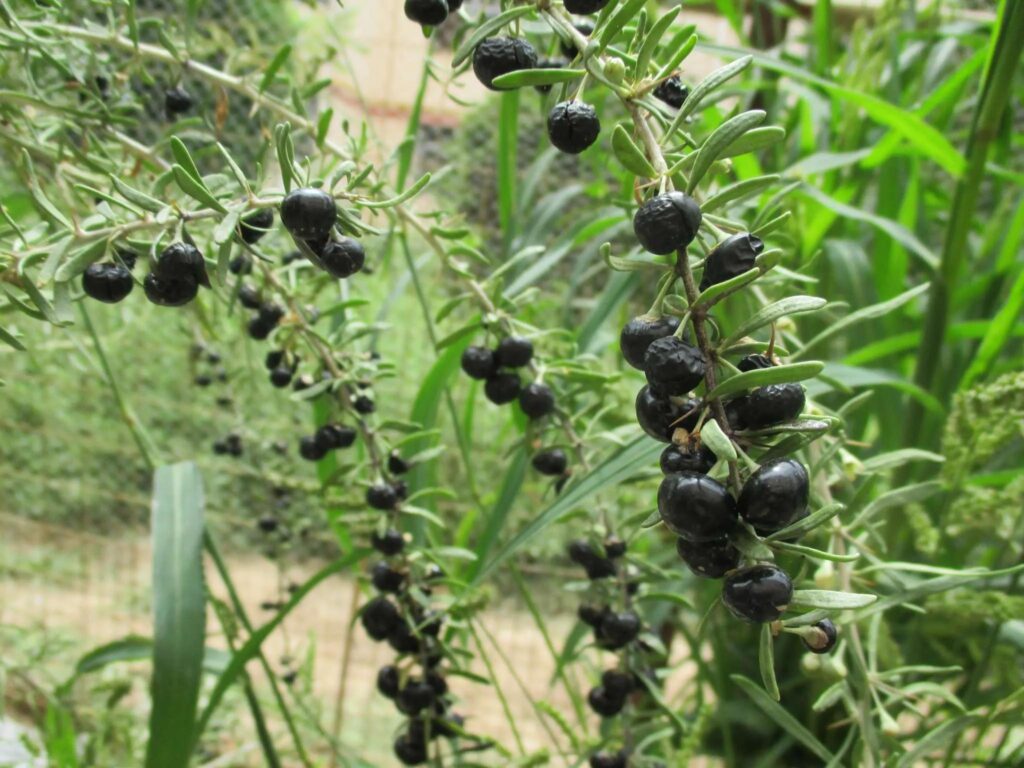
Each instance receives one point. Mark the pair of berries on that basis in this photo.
(612, 629)
(598, 565)
(502, 385)
(430, 13)
(262, 324)
(310, 214)
(385, 496)
(327, 438)
(252, 228)
(177, 275)
(110, 281)
(229, 446)
(609, 698)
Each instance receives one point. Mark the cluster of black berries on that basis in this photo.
(496, 367)
(327, 438)
(175, 278)
(430, 13)
(309, 214)
(209, 365)
(230, 445)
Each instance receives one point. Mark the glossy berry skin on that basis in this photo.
(416, 696)
(249, 297)
(182, 261)
(823, 637)
(335, 436)
(125, 256)
(258, 329)
(254, 226)
(454, 5)
(660, 416)
(381, 496)
(617, 683)
(552, 462)
(584, 7)
(667, 223)
(385, 578)
(479, 362)
(573, 126)
(498, 56)
(672, 366)
(603, 703)
(309, 213)
(513, 352)
(775, 495)
(502, 388)
(311, 449)
(380, 617)
(281, 377)
(240, 265)
(397, 465)
(169, 292)
(758, 593)
(364, 405)
(402, 638)
(618, 630)
(591, 615)
(711, 559)
(177, 101)
(731, 258)
(389, 543)
(772, 404)
(388, 681)
(428, 13)
(410, 750)
(608, 760)
(696, 507)
(687, 458)
(107, 282)
(672, 92)
(343, 257)
(638, 334)
(537, 400)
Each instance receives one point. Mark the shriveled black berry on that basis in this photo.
(502, 388)
(182, 261)
(695, 506)
(125, 256)
(249, 296)
(385, 578)
(617, 683)
(711, 559)
(548, 64)
(308, 213)
(770, 405)
(731, 258)
(498, 56)
(537, 400)
(396, 464)
(552, 461)
(380, 617)
(754, 363)
(638, 334)
(107, 282)
(281, 377)
(591, 615)
(429, 13)
(381, 496)
(343, 257)
(410, 750)
(568, 47)
(667, 223)
(672, 92)
(402, 638)
(240, 265)
(573, 126)
(614, 547)
(821, 636)
(608, 760)
(254, 226)
(758, 593)
(364, 405)
(672, 366)
(169, 292)
(389, 543)
(311, 449)
(618, 629)
(603, 703)
(774, 495)
(660, 416)
(177, 101)
(584, 7)
(388, 681)
(513, 352)
(687, 458)
(479, 362)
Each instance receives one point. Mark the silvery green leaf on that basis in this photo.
(722, 137)
(824, 598)
(712, 435)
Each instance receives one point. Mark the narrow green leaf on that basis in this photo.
(712, 435)
(677, 58)
(525, 78)
(408, 194)
(898, 458)
(653, 39)
(138, 648)
(140, 199)
(738, 191)
(80, 260)
(782, 718)
(11, 340)
(630, 155)
(779, 374)
(497, 516)
(706, 86)
(196, 190)
(718, 291)
(791, 305)
(617, 22)
(720, 138)
(1000, 331)
(275, 66)
(487, 29)
(184, 158)
(825, 598)
(754, 140)
(809, 523)
(766, 660)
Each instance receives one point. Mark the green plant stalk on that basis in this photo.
(1007, 45)
(508, 130)
(497, 688)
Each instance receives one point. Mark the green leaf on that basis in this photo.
(11, 340)
(533, 77)
(497, 516)
(184, 158)
(1000, 330)
(140, 199)
(80, 260)
(719, 291)
(809, 523)
(753, 140)
(677, 58)
(779, 374)
(487, 29)
(196, 190)
(738, 191)
(897, 497)
(782, 718)
(714, 438)
(630, 155)
(408, 194)
(617, 22)
(706, 86)
(275, 66)
(825, 598)
(652, 39)
(766, 660)
(179, 609)
(893, 459)
(791, 305)
(233, 166)
(138, 648)
(936, 739)
(323, 125)
(722, 137)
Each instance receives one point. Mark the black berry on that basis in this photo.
(268, 524)
(254, 226)
(537, 400)
(672, 92)
(479, 362)
(107, 282)
(177, 101)
(660, 416)
(182, 261)
(389, 543)
(821, 636)
(502, 388)
(731, 258)
(603, 703)
(584, 7)
(618, 630)
(258, 329)
(614, 547)
(758, 593)
(364, 405)
(667, 223)
(388, 681)
(568, 47)
(380, 617)
(428, 13)
(385, 578)
(754, 363)
(203, 380)
(308, 213)
(552, 461)
(334, 436)
(343, 257)
(273, 359)
(774, 496)
(281, 377)
(169, 292)
(396, 464)
(687, 458)
(695, 506)
(591, 615)
(672, 366)
(381, 496)
(770, 405)
(585, 555)
(410, 750)
(513, 352)
(498, 56)
(311, 449)
(240, 265)
(126, 256)
(617, 683)
(711, 559)
(573, 126)
(402, 639)
(638, 334)
(608, 760)
(249, 296)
